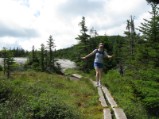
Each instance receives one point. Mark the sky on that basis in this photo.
(24, 23)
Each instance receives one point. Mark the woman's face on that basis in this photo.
(101, 45)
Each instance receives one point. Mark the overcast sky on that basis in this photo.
(24, 23)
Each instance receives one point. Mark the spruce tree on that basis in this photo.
(153, 1)
(149, 51)
(131, 35)
(51, 46)
(42, 57)
(8, 63)
(4, 56)
(84, 37)
(33, 54)
(84, 41)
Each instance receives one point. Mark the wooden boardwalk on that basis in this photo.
(110, 107)
(105, 96)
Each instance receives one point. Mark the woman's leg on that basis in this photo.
(97, 74)
(100, 73)
(100, 70)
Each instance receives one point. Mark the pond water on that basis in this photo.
(64, 63)
(19, 60)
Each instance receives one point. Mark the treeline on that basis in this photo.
(44, 59)
(131, 50)
(114, 45)
(75, 52)
(16, 52)
(39, 60)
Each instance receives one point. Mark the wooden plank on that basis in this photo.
(119, 113)
(109, 97)
(93, 82)
(100, 93)
(77, 76)
(107, 113)
(73, 78)
(101, 97)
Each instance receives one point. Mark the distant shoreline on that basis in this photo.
(19, 60)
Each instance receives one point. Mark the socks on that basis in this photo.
(98, 83)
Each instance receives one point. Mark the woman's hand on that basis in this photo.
(110, 56)
(83, 58)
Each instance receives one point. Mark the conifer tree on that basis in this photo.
(149, 53)
(33, 53)
(84, 40)
(84, 37)
(153, 1)
(51, 46)
(42, 57)
(4, 56)
(8, 63)
(46, 59)
(131, 35)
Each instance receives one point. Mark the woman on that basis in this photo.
(100, 54)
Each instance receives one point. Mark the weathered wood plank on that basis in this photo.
(119, 113)
(93, 82)
(109, 97)
(101, 97)
(107, 113)
(77, 76)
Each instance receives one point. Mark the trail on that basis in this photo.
(110, 108)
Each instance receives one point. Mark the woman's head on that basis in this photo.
(101, 45)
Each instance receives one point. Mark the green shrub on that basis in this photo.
(147, 91)
(49, 109)
(152, 105)
(1, 68)
(149, 74)
(123, 92)
(5, 90)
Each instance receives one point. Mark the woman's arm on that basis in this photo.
(92, 53)
(106, 54)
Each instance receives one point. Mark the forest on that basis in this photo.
(131, 75)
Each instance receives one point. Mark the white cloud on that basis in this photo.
(38, 19)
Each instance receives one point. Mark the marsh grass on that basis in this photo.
(40, 95)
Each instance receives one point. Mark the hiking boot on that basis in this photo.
(99, 84)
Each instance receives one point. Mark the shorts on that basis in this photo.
(98, 65)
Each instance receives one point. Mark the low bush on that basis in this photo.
(148, 93)
(123, 90)
(1, 68)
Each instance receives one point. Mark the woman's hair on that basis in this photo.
(100, 44)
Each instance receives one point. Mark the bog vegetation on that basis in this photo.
(38, 90)
(35, 95)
